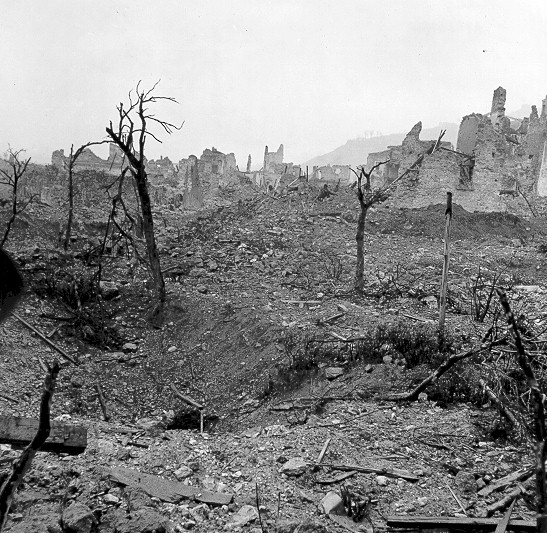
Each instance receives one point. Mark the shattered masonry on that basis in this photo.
(499, 164)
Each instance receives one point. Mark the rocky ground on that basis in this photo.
(246, 282)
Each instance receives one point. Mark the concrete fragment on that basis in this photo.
(129, 347)
(78, 518)
(465, 481)
(183, 472)
(330, 502)
(246, 514)
(333, 372)
(294, 467)
(200, 513)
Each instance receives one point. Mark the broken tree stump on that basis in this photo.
(66, 438)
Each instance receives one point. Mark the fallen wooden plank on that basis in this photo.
(503, 482)
(335, 479)
(71, 439)
(165, 489)
(465, 524)
(303, 302)
(389, 472)
(323, 450)
(58, 349)
(502, 526)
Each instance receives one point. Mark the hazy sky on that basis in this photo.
(307, 73)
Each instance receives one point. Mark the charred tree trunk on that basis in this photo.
(11, 179)
(150, 238)
(539, 415)
(70, 199)
(21, 465)
(360, 238)
(123, 137)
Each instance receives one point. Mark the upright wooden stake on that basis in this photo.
(444, 282)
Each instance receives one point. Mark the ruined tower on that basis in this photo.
(497, 113)
(249, 164)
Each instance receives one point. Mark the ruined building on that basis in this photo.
(275, 172)
(190, 183)
(498, 164)
(333, 174)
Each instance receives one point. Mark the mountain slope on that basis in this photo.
(355, 151)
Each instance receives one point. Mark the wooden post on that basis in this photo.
(444, 281)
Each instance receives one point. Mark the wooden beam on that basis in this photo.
(64, 438)
(463, 524)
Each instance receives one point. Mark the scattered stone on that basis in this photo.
(369, 369)
(465, 481)
(111, 499)
(141, 521)
(294, 467)
(183, 472)
(109, 290)
(307, 526)
(382, 481)
(202, 289)
(246, 514)
(129, 347)
(422, 397)
(78, 518)
(430, 301)
(480, 483)
(171, 349)
(387, 359)
(333, 372)
(422, 502)
(200, 513)
(330, 502)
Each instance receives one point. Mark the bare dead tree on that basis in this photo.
(12, 178)
(367, 198)
(539, 415)
(22, 464)
(130, 136)
(72, 160)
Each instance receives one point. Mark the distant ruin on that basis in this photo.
(499, 164)
(274, 171)
(188, 184)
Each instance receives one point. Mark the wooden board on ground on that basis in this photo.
(165, 489)
(66, 438)
(462, 524)
(505, 481)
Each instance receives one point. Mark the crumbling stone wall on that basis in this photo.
(332, 174)
(500, 164)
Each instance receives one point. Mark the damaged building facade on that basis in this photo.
(333, 174)
(498, 164)
(275, 172)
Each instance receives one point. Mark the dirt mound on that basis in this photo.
(430, 222)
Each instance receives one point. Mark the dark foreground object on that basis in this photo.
(63, 438)
(11, 285)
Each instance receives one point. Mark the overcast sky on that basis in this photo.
(308, 74)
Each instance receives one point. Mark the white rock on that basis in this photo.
(382, 481)
(246, 514)
(330, 502)
(183, 472)
(294, 467)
